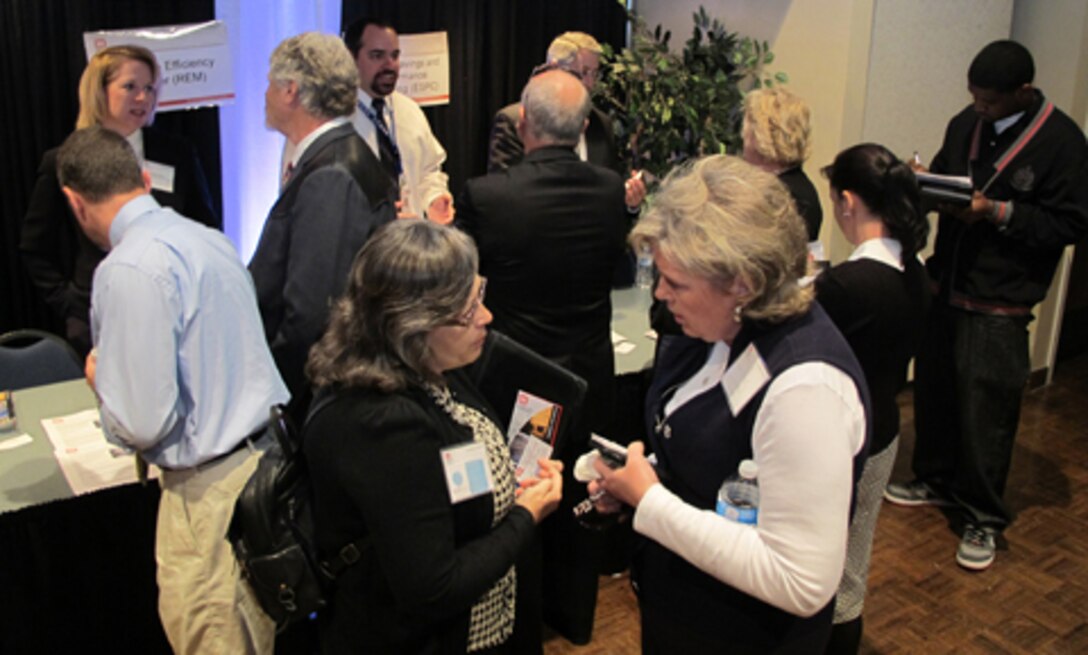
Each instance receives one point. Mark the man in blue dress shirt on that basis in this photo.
(183, 376)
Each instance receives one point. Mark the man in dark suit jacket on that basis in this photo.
(335, 194)
(550, 230)
(579, 54)
(59, 257)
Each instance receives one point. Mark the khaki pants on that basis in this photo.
(204, 604)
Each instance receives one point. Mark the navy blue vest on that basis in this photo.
(707, 444)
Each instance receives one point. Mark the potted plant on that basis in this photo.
(668, 107)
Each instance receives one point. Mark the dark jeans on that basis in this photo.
(969, 379)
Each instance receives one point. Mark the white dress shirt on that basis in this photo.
(421, 154)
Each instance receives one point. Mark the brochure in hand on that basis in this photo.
(534, 425)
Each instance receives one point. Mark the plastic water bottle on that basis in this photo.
(738, 498)
(644, 274)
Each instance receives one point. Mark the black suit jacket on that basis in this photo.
(550, 231)
(59, 257)
(339, 194)
(505, 148)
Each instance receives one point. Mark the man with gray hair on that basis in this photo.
(579, 54)
(550, 230)
(334, 195)
(182, 376)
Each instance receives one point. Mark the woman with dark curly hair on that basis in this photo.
(878, 299)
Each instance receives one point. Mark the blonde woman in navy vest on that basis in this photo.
(759, 373)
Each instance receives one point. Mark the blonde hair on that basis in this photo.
(100, 71)
(564, 48)
(719, 218)
(776, 125)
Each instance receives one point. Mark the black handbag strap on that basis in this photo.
(353, 551)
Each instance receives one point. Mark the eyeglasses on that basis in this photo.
(590, 73)
(466, 318)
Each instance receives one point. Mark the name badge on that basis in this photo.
(162, 176)
(745, 378)
(467, 473)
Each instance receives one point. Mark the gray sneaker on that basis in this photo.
(913, 494)
(977, 548)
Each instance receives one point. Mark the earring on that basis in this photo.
(737, 309)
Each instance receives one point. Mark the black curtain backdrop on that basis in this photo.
(41, 59)
(494, 45)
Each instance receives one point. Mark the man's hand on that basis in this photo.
(981, 208)
(89, 367)
(441, 210)
(634, 190)
(402, 212)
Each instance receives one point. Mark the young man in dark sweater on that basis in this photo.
(993, 261)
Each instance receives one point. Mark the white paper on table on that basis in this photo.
(617, 338)
(74, 431)
(625, 347)
(92, 468)
(86, 459)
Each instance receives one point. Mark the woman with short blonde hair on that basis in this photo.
(759, 373)
(776, 132)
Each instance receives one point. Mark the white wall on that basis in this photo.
(1056, 32)
(823, 45)
(894, 72)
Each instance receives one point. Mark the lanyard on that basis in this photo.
(383, 129)
(1014, 149)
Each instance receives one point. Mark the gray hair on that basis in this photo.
(98, 164)
(719, 218)
(411, 277)
(323, 70)
(556, 106)
(563, 51)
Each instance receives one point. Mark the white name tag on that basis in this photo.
(162, 176)
(467, 473)
(745, 378)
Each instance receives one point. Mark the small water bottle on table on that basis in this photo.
(738, 498)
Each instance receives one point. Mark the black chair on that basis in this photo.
(29, 358)
(506, 367)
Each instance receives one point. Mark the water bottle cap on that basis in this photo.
(748, 469)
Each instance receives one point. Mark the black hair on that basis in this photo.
(888, 188)
(353, 33)
(1002, 66)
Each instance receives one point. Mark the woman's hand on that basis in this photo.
(628, 484)
(541, 495)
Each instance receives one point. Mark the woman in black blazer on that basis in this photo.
(118, 90)
(878, 299)
(406, 456)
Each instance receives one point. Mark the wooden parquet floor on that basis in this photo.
(1033, 600)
